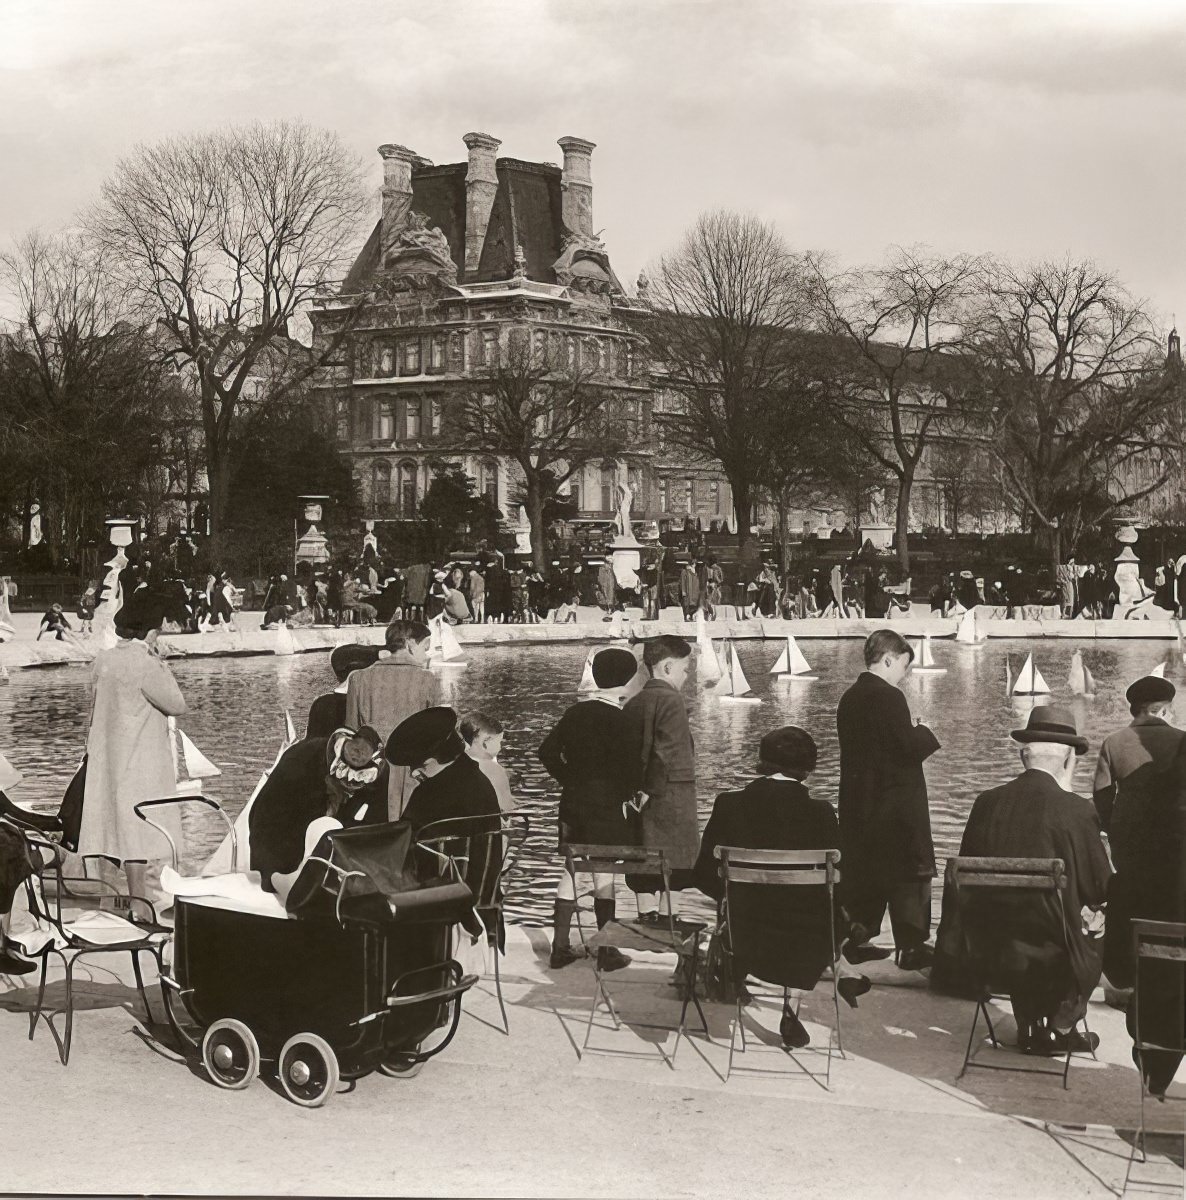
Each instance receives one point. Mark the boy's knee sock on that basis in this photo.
(604, 910)
(562, 915)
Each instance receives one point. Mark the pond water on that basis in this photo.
(237, 705)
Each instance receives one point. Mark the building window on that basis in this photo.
(490, 481)
(664, 498)
(689, 496)
(381, 484)
(412, 419)
(609, 479)
(714, 495)
(342, 420)
(434, 416)
(603, 355)
(407, 489)
(386, 360)
(436, 360)
(412, 357)
(383, 423)
(490, 347)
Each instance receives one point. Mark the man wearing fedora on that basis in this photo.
(1037, 815)
(1130, 760)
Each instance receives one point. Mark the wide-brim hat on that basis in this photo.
(142, 612)
(1051, 723)
(787, 751)
(429, 733)
(1150, 689)
(614, 667)
(352, 657)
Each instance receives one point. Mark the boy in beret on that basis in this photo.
(583, 753)
(328, 712)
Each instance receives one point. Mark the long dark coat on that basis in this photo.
(780, 934)
(1032, 816)
(661, 757)
(885, 821)
(583, 753)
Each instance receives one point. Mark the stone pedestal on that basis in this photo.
(881, 537)
(626, 559)
(1128, 568)
(312, 546)
(119, 533)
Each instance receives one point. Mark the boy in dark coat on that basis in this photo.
(584, 755)
(662, 760)
(885, 822)
(780, 934)
(328, 712)
(1037, 948)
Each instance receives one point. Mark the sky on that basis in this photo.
(1032, 131)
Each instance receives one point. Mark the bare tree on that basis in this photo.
(896, 327)
(723, 304)
(1085, 412)
(548, 417)
(221, 239)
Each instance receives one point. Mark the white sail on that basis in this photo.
(190, 765)
(434, 635)
(1088, 682)
(966, 632)
(1077, 679)
(285, 642)
(782, 664)
(708, 666)
(1008, 677)
(733, 686)
(924, 660)
(588, 683)
(222, 860)
(723, 687)
(792, 663)
(737, 675)
(1030, 681)
(451, 650)
(1159, 670)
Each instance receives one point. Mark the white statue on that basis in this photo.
(625, 500)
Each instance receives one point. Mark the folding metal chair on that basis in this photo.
(680, 937)
(1034, 875)
(483, 852)
(73, 940)
(741, 868)
(1160, 943)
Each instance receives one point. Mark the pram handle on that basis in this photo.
(143, 804)
(463, 985)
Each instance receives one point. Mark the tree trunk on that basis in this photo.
(534, 503)
(743, 506)
(218, 472)
(905, 487)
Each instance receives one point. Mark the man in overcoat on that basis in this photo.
(885, 821)
(1034, 944)
(662, 758)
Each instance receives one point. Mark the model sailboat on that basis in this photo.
(588, 683)
(924, 661)
(967, 634)
(733, 687)
(1159, 671)
(190, 765)
(1080, 681)
(448, 649)
(791, 664)
(285, 642)
(708, 666)
(1029, 682)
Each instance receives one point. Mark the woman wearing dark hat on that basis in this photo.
(583, 753)
(129, 756)
(786, 936)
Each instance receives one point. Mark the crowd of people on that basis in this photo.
(382, 745)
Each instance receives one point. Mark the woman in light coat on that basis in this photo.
(129, 756)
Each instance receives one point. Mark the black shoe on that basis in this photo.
(1040, 1040)
(792, 1032)
(650, 918)
(864, 952)
(610, 958)
(14, 966)
(562, 956)
(915, 958)
(1076, 1042)
(852, 986)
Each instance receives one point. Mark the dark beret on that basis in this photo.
(142, 612)
(352, 657)
(614, 667)
(1150, 689)
(788, 751)
(429, 733)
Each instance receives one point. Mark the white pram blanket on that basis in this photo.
(237, 892)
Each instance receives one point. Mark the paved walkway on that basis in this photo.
(525, 1115)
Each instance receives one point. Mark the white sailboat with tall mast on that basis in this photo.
(708, 666)
(733, 687)
(1080, 681)
(967, 634)
(190, 765)
(1159, 671)
(449, 651)
(924, 660)
(1029, 682)
(791, 664)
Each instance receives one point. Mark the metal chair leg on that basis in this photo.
(992, 1033)
(68, 1034)
(506, 1024)
(971, 1039)
(733, 1038)
(140, 985)
(35, 1016)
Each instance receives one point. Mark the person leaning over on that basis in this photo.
(328, 711)
(662, 761)
(885, 821)
(382, 695)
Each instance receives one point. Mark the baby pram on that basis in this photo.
(356, 977)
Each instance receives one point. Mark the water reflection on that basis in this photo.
(237, 706)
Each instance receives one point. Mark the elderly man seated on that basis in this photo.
(1042, 953)
(342, 777)
(775, 812)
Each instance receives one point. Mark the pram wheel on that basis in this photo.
(401, 1066)
(308, 1070)
(230, 1054)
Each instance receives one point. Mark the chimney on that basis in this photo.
(397, 192)
(481, 183)
(576, 183)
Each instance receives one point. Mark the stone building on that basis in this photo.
(464, 256)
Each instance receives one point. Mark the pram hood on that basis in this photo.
(368, 874)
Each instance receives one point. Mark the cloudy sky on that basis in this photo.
(1022, 129)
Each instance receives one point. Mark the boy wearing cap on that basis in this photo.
(1130, 760)
(662, 761)
(328, 712)
(1037, 815)
(583, 753)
